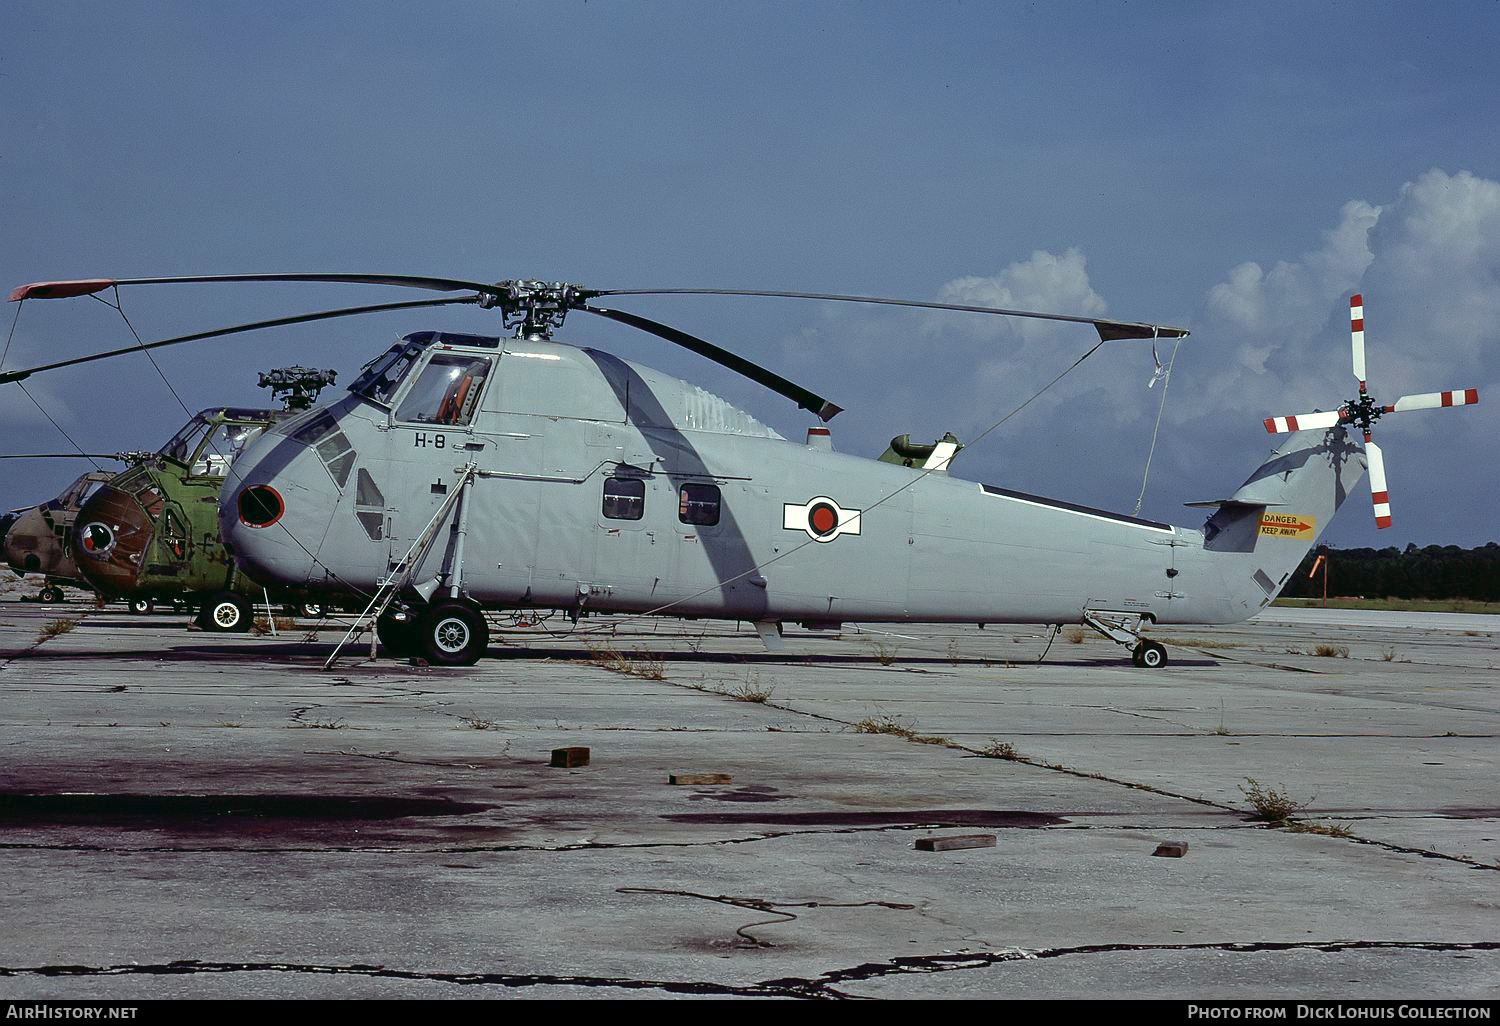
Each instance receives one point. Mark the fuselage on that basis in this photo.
(566, 478)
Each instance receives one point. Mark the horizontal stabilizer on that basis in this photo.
(1237, 501)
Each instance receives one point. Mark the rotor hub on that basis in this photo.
(1362, 411)
(533, 309)
(297, 387)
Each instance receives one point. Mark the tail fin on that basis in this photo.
(1278, 514)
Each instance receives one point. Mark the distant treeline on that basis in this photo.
(1434, 572)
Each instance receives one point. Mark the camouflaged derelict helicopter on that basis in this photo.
(151, 533)
(465, 473)
(38, 539)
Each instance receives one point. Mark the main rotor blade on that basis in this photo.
(1303, 422)
(1378, 494)
(62, 456)
(807, 400)
(1109, 331)
(279, 322)
(1357, 337)
(89, 286)
(1435, 400)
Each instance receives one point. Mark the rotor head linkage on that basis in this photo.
(533, 309)
(1361, 411)
(297, 387)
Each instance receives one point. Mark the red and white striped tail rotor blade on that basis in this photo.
(1435, 400)
(1378, 495)
(1357, 337)
(1302, 422)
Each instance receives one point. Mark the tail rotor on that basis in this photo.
(1363, 411)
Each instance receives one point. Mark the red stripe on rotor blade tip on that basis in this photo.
(1471, 395)
(1447, 398)
(1381, 496)
(1356, 300)
(60, 289)
(1357, 324)
(1291, 422)
(1270, 425)
(1382, 521)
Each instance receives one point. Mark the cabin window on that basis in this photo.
(698, 504)
(624, 498)
(446, 391)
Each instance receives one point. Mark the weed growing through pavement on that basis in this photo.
(896, 728)
(1329, 651)
(639, 663)
(1271, 805)
(55, 627)
(751, 691)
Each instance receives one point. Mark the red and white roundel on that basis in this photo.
(821, 518)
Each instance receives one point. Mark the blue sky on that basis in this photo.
(1235, 168)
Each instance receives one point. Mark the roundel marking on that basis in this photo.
(97, 539)
(820, 518)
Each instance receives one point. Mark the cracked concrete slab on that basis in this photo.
(185, 814)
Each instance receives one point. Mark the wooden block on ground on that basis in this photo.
(955, 841)
(570, 757)
(699, 778)
(1171, 849)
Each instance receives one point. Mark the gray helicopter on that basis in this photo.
(465, 473)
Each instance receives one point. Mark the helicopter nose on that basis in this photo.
(110, 539)
(274, 518)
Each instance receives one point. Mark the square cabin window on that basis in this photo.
(698, 504)
(624, 498)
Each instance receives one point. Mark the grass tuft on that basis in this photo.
(751, 691)
(998, 749)
(55, 627)
(1271, 805)
(639, 663)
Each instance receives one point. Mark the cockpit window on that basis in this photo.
(185, 442)
(447, 390)
(384, 374)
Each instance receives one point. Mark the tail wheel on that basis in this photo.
(452, 633)
(311, 610)
(226, 612)
(1150, 654)
(142, 606)
(50, 595)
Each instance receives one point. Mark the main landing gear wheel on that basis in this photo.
(452, 633)
(1149, 654)
(142, 606)
(226, 612)
(50, 595)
